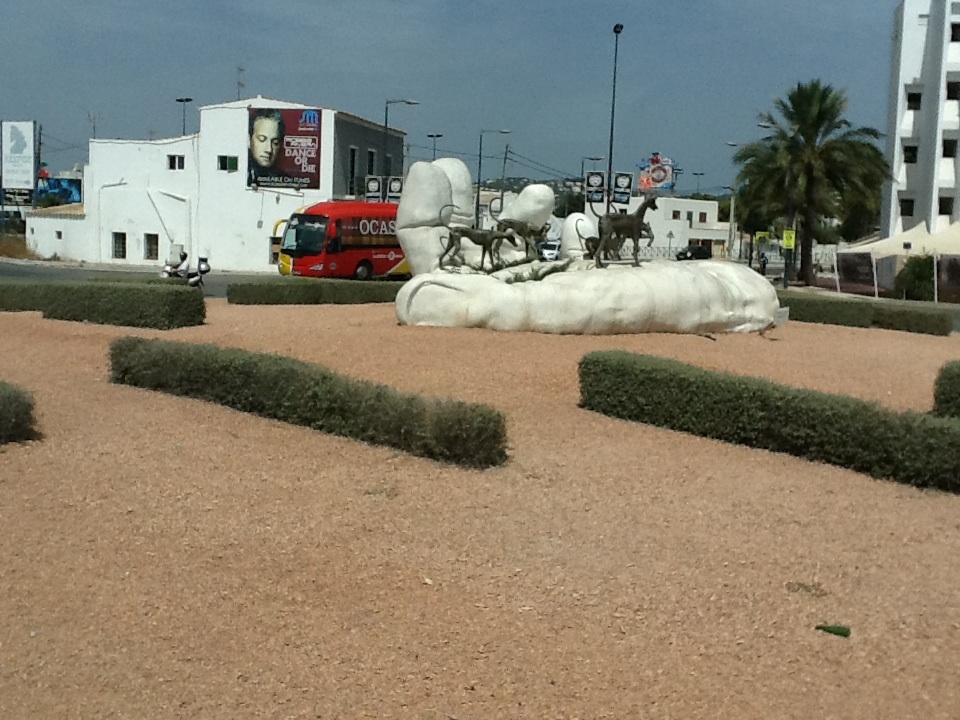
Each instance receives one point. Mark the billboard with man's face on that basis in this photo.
(283, 148)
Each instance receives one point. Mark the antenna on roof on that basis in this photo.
(240, 83)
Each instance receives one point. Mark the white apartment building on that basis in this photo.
(145, 200)
(923, 126)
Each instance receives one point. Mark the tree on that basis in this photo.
(811, 158)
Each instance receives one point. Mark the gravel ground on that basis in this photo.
(165, 558)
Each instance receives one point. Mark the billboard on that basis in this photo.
(594, 183)
(66, 190)
(283, 148)
(657, 173)
(622, 184)
(18, 155)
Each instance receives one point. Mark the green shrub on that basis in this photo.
(16, 414)
(109, 303)
(911, 448)
(312, 291)
(946, 392)
(310, 395)
(915, 279)
(888, 314)
(142, 279)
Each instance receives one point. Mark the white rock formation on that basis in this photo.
(568, 296)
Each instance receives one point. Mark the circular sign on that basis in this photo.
(658, 173)
(594, 180)
(623, 181)
(373, 185)
(395, 185)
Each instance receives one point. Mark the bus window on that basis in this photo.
(304, 236)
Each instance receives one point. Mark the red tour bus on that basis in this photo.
(343, 239)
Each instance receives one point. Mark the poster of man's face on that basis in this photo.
(284, 148)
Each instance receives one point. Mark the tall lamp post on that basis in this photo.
(617, 29)
(386, 121)
(183, 104)
(732, 236)
(434, 136)
(476, 208)
(698, 175)
(593, 158)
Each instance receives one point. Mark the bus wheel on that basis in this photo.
(364, 271)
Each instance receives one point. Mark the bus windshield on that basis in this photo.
(304, 235)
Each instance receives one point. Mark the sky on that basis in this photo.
(692, 75)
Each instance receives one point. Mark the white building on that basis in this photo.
(923, 126)
(145, 200)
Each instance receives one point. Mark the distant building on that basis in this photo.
(923, 125)
(218, 193)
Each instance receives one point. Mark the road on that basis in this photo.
(214, 284)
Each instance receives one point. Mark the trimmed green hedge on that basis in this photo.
(16, 414)
(108, 303)
(946, 393)
(824, 309)
(312, 291)
(302, 394)
(911, 448)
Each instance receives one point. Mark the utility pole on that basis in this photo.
(92, 117)
(503, 174)
(240, 83)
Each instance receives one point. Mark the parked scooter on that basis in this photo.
(194, 279)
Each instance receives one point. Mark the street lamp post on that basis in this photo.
(476, 208)
(183, 104)
(593, 158)
(386, 120)
(434, 137)
(698, 175)
(617, 29)
(731, 237)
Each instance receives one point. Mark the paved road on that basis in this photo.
(214, 284)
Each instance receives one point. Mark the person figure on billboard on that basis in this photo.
(266, 130)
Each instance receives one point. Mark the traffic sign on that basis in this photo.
(789, 239)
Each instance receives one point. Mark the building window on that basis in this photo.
(371, 162)
(151, 246)
(953, 90)
(352, 177)
(703, 217)
(175, 162)
(227, 163)
(949, 148)
(955, 32)
(119, 246)
(676, 214)
(906, 207)
(946, 206)
(910, 154)
(913, 101)
(59, 235)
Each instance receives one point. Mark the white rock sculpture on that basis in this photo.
(577, 227)
(567, 296)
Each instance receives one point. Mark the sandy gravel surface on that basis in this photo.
(164, 558)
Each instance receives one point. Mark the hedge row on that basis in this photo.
(16, 414)
(108, 303)
(310, 395)
(312, 291)
(946, 393)
(824, 309)
(911, 448)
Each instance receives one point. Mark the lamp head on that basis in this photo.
(618, 28)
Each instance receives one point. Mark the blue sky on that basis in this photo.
(692, 74)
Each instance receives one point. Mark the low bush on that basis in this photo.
(915, 279)
(912, 448)
(16, 414)
(108, 303)
(312, 291)
(142, 279)
(302, 394)
(946, 392)
(891, 315)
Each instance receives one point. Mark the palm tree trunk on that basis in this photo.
(809, 230)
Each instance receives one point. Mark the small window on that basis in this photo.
(953, 90)
(906, 207)
(227, 163)
(676, 214)
(151, 246)
(703, 217)
(946, 206)
(59, 235)
(119, 246)
(949, 148)
(910, 154)
(371, 162)
(175, 162)
(955, 32)
(913, 101)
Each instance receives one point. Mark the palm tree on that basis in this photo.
(811, 158)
